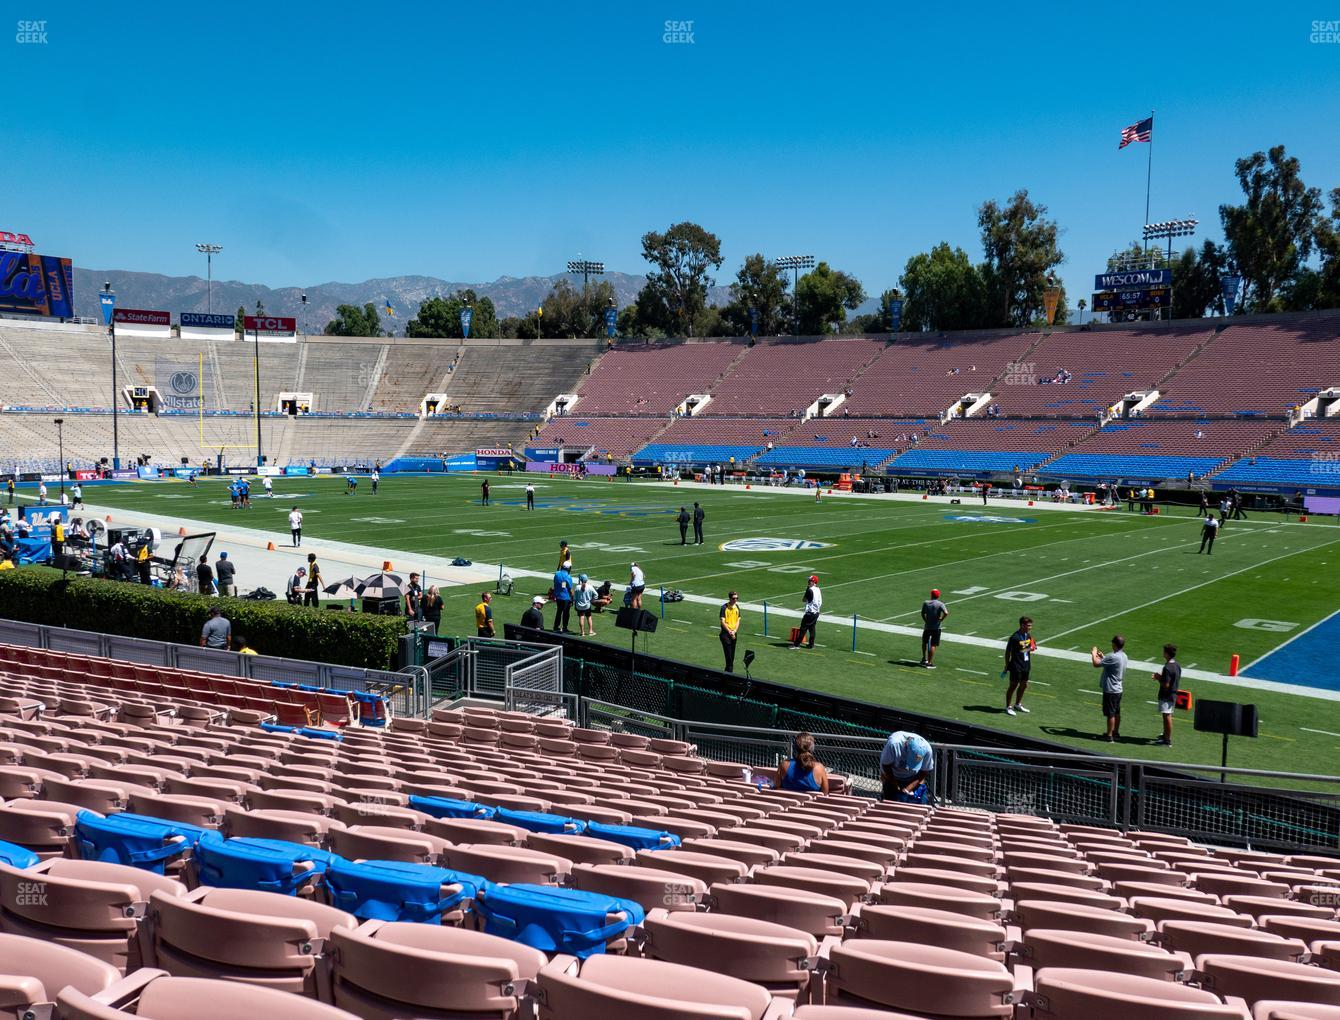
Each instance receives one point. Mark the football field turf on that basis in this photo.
(1082, 576)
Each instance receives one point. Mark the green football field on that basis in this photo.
(1082, 576)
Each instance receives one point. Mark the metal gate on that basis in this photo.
(526, 677)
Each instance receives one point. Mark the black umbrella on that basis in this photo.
(345, 588)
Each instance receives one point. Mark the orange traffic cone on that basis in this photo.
(1302, 518)
(386, 565)
(109, 518)
(181, 531)
(1030, 502)
(925, 496)
(269, 547)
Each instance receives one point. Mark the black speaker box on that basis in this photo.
(1225, 717)
(630, 618)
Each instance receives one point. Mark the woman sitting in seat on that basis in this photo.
(802, 772)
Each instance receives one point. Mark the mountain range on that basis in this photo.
(511, 295)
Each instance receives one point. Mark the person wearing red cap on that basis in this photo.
(933, 613)
(813, 604)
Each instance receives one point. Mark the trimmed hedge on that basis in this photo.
(38, 595)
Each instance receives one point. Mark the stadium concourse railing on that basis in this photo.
(406, 692)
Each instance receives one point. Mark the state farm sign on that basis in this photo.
(140, 317)
(270, 324)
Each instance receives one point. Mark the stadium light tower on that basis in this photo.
(795, 263)
(588, 269)
(1168, 230)
(209, 251)
(116, 401)
(60, 445)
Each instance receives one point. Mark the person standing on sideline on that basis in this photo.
(933, 613)
(533, 618)
(1204, 510)
(584, 601)
(143, 565)
(432, 607)
(562, 601)
(802, 772)
(295, 526)
(530, 496)
(905, 763)
(225, 571)
(812, 605)
(42, 493)
(986, 488)
(78, 493)
(376, 477)
(484, 491)
(269, 487)
(1019, 651)
(9, 488)
(637, 584)
(698, 515)
(1113, 665)
(1170, 680)
(312, 595)
(484, 616)
(217, 631)
(683, 521)
(1209, 530)
(414, 598)
(1235, 500)
(730, 628)
(564, 555)
(204, 578)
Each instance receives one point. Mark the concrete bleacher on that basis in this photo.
(615, 438)
(720, 897)
(653, 378)
(918, 375)
(1263, 367)
(1104, 366)
(1305, 455)
(784, 378)
(518, 375)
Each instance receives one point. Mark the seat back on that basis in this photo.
(570, 921)
(396, 891)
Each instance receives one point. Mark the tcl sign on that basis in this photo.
(6, 237)
(270, 324)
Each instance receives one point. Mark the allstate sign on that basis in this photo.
(771, 545)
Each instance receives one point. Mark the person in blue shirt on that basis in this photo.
(802, 772)
(562, 600)
(905, 764)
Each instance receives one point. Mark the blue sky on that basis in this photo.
(333, 141)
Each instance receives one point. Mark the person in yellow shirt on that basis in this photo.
(730, 628)
(243, 648)
(484, 616)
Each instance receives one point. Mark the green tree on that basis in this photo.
(568, 312)
(824, 296)
(682, 259)
(943, 290)
(240, 320)
(441, 317)
(760, 285)
(350, 320)
(1020, 247)
(1196, 286)
(1326, 290)
(1270, 235)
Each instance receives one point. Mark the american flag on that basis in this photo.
(1141, 131)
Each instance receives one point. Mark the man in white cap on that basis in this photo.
(933, 613)
(812, 604)
(533, 618)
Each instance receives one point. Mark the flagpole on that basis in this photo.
(1149, 169)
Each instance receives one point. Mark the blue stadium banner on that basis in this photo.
(896, 315)
(466, 315)
(611, 317)
(32, 284)
(1230, 285)
(108, 300)
(1133, 278)
(202, 320)
(753, 322)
